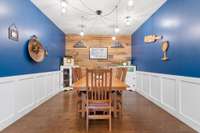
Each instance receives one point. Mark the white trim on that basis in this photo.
(21, 94)
(191, 116)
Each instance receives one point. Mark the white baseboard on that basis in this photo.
(178, 95)
(21, 94)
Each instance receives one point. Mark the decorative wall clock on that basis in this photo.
(36, 50)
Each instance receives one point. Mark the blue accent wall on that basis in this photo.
(14, 59)
(179, 23)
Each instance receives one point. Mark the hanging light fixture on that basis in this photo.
(130, 3)
(113, 38)
(63, 10)
(63, 6)
(63, 3)
(82, 27)
(82, 33)
(128, 20)
(117, 29)
(116, 25)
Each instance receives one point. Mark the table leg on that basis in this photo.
(115, 105)
(83, 106)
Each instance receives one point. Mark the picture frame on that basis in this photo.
(98, 53)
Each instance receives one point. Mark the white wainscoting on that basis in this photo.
(178, 95)
(21, 94)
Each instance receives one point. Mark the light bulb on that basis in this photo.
(113, 38)
(117, 29)
(128, 20)
(81, 33)
(128, 23)
(63, 3)
(130, 3)
(63, 10)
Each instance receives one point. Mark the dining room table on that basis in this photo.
(117, 86)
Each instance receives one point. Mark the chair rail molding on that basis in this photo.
(178, 95)
(21, 94)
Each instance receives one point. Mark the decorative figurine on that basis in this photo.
(164, 47)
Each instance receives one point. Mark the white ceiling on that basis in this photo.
(70, 21)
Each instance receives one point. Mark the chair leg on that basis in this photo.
(78, 108)
(87, 121)
(83, 108)
(120, 110)
(115, 105)
(110, 122)
(110, 125)
(121, 105)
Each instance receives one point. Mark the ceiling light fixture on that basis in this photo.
(63, 5)
(63, 10)
(116, 29)
(113, 38)
(82, 33)
(128, 20)
(130, 3)
(82, 27)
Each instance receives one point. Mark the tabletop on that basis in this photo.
(116, 85)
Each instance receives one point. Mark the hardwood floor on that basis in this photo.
(58, 115)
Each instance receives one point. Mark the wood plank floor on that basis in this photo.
(58, 115)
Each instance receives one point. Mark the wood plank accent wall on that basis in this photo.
(81, 55)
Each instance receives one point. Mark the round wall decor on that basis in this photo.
(36, 50)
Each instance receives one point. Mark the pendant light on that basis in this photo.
(130, 3)
(63, 6)
(113, 38)
(81, 43)
(116, 24)
(82, 33)
(117, 29)
(128, 20)
(82, 27)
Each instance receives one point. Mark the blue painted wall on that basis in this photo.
(179, 22)
(29, 21)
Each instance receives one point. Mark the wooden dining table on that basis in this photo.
(117, 86)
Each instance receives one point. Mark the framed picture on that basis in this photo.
(98, 53)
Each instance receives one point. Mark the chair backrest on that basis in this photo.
(124, 73)
(76, 74)
(121, 73)
(99, 84)
(118, 73)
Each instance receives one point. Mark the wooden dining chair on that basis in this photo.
(80, 101)
(76, 74)
(99, 86)
(120, 75)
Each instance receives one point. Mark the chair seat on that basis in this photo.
(98, 106)
(100, 117)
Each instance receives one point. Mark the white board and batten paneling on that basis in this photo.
(178, 95)
(21, 94)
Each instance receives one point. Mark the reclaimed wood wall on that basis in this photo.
(81, 55)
